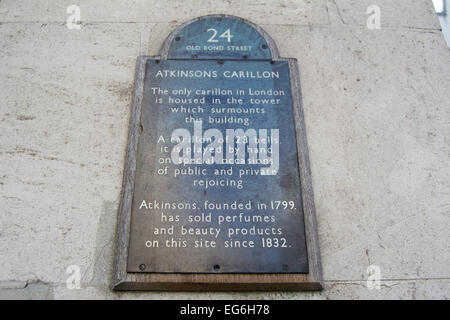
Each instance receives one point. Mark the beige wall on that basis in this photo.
(377, 110)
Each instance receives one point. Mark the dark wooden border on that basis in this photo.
(124, 280)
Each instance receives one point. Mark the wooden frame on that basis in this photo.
(124, 280)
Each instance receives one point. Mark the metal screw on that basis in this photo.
(142, 267)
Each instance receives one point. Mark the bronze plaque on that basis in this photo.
(222, 209)
(217, 177)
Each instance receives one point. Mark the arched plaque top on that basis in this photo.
(219, 37)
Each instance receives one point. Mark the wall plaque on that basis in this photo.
(217, 189)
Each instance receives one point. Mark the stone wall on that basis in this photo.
(377, 110)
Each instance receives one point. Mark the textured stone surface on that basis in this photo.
(298, 12)
(376, 108)
(394, 14)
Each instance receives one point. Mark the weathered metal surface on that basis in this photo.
(219, 38)
(279, 238)
(273, 267)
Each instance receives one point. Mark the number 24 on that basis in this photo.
(226, 34)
